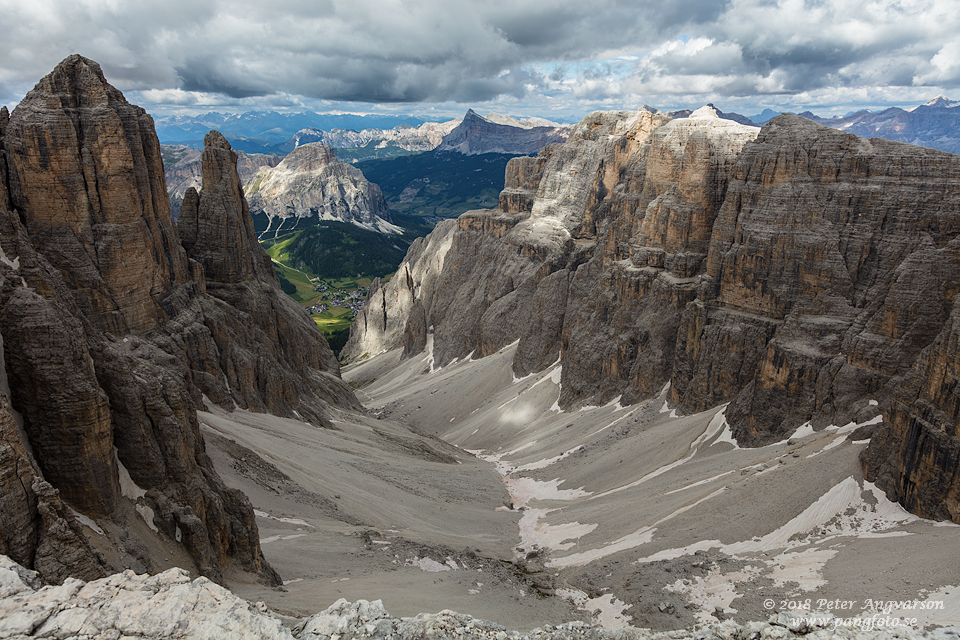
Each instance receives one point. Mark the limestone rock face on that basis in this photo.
(38, 528)
(182, 169)
(311, 184)
(799, 273)
(93, 225)
(170, 605)
(219, 233)
(271, 353)
(917, 459)
(520, 182)
(841, 252)
(113, 334)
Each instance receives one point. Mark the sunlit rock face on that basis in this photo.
(113, 334)
(799, 273)
(310, 185)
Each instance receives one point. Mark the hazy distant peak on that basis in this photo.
(522, 123)
(942, 102)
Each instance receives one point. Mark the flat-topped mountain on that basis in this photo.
(476, 135)
(116, 329)
(801, 274)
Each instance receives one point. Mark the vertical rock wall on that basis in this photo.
(799, 273)
(113, 333)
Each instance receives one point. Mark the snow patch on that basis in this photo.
(717, 590)
(428, 564)
(128, 488)
(804, 430)
(264, 514)
(523, 490)
(88, 522)
(535, 534)
(264, 541)
(929, 611)
(607, 610)
(147, 514)
(540, 464)
(13, 264)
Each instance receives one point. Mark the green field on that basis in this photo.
(298, 256)
(304, 293)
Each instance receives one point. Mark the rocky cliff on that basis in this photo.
(182, 169)
(114, 334)
(475, 135)
(798, 273)
(311, 184)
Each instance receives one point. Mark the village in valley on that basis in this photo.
(350, 299)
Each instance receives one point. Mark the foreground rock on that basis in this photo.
(170, 605)
(799, 273)
(114, 335)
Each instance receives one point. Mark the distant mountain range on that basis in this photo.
(266, 126)
(365, 137)
(400, 140)
(935, 124)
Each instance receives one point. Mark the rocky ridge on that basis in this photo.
(311, 184)
(799, 273)
(423, 138)
(170, 605)
(476, 134)
(115, 333)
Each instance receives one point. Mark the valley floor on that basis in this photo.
(467, 489)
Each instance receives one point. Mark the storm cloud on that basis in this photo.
(559, 52)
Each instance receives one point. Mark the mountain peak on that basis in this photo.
(941, 101)
(708, 111)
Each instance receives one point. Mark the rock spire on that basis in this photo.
(113, 335)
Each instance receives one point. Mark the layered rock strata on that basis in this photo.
(182, 169)
(113, 335)
(310, 185)
(799, 273)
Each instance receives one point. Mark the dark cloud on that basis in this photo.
(397, 51)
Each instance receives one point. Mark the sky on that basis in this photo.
(558, 59)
